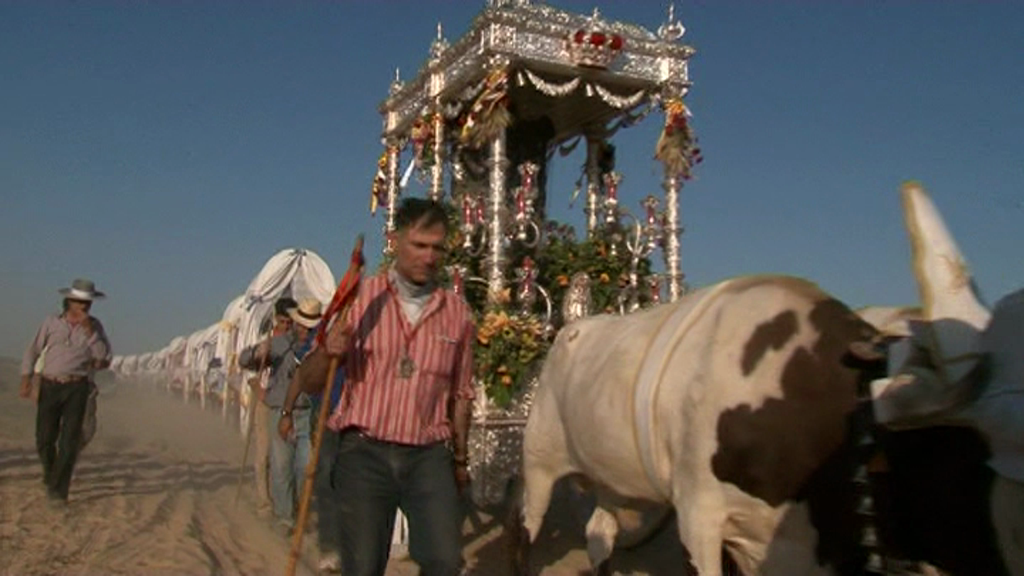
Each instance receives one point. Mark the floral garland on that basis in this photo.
(423, 137)
(508, 351)
(379, 189)
(619, 102)
(677, 146)
(511, 344)
(489, 114)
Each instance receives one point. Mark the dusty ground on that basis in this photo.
(155, 494)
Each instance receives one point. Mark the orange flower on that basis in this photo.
(562, 280)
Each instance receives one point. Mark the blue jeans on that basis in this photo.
(288, 462)
(372, 479)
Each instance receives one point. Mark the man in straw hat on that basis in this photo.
(261, 414)
(75, 345)
(288, 456)
(309, 379)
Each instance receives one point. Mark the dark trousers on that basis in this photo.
(323, 495)
(372, 480)
(59, 418)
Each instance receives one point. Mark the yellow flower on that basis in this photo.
(604, 278)
(506, 380)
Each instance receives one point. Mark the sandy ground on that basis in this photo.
(155, 494)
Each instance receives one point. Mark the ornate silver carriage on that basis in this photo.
(488, 111)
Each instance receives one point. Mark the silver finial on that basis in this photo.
(439, 45)
(671, 30)
(396, 84)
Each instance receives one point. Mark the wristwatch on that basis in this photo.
(285, 412)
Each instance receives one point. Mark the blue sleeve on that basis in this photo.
(339, 376)
(339, 383)
(306, 345)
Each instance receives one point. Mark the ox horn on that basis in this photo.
(954, 316)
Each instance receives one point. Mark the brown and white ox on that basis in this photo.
(737, 406)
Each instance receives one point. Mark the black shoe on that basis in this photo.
(56, 503)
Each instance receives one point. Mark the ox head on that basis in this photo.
(929, 487)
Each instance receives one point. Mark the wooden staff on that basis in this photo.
(245, 454)
(249, 427)
(339, 307)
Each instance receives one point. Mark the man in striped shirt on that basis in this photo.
(403, 418)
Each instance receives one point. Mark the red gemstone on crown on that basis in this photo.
(593, 48)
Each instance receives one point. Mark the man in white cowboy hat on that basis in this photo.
(289, 455)
(75, 345)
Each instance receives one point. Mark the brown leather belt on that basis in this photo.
(64, 379)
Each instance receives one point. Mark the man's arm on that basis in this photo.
(284, 424)
(35, 348)
(309, 377)
(28, 360)
(257, 356)
(100, 345)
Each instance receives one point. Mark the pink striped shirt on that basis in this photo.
(377, 399)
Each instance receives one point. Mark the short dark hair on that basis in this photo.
(67, 302)
(284, 304)
(420, 212)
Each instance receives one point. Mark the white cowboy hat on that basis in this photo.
(308, 313)
(82, 289)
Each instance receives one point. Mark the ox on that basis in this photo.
(737, 406)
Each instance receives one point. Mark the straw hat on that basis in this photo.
(308, 312)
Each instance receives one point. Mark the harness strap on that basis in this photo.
(649, 377)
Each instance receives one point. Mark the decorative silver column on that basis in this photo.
(393, 192)
(437, 85)
(672, 232)
(495, 262)
(437, 170)
(393, 148)
(593, 185)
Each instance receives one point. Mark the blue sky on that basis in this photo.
(168, 149)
